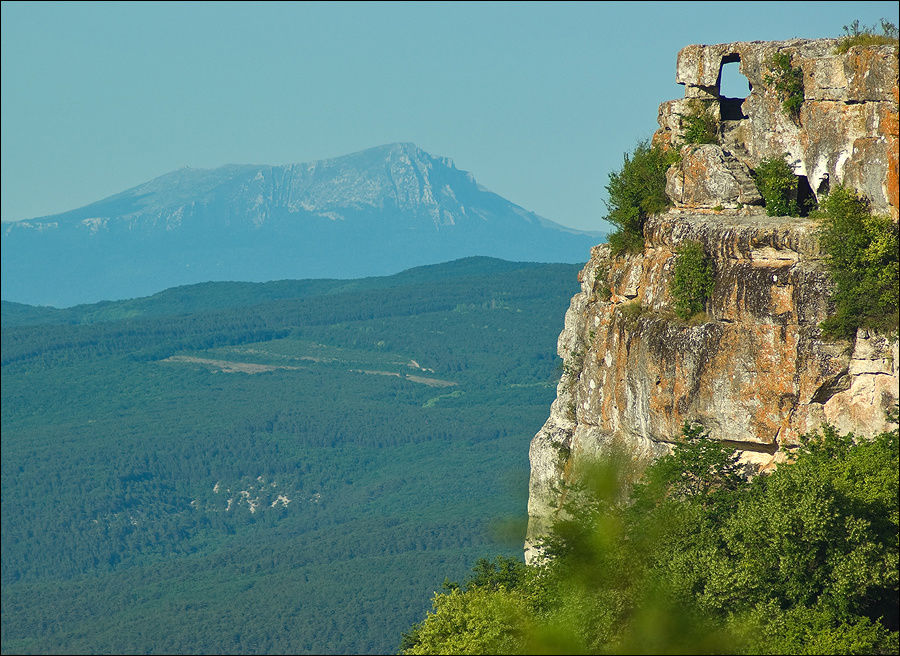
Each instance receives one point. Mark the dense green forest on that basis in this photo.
(282, 467)
(693, 557)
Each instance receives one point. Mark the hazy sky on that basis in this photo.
(538, 101)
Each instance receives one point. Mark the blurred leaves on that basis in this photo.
(696, 558)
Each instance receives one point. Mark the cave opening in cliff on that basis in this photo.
(733, 87)
(806, 199)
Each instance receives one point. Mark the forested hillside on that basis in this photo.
(281, 467)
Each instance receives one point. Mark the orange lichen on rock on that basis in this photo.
(890, 127)
(753, 370)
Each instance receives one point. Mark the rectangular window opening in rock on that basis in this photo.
(733, 88)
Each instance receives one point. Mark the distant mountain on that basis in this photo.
(375, 212)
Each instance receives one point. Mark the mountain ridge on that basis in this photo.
(374, 212)
(216, 295)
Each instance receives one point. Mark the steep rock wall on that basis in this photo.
(754, 371)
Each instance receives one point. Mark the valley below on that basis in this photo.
(282, 467)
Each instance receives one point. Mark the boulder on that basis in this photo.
(707, 177)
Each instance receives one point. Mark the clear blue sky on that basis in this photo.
(538, 101)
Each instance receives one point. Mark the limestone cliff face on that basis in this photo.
(755, 370)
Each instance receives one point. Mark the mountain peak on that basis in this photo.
(396, 155)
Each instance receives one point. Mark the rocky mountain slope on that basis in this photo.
(370, 213)
(756, 372)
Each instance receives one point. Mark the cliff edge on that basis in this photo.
(756, 371)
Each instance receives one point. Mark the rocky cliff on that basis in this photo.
(755, 370)
(845, 130)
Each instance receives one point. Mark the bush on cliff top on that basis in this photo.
(856, 34)
(700, 560)
(635, 192)
(861, 252)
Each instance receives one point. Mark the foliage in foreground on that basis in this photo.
(700, 560)
(861, 252)
(635, 192)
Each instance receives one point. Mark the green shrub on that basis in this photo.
(861, 252)
(635, 192)
(777, 185)
(861, 35)
(699, 126)
(788, 83)
(692, 282)
(632, 311)
(604, 290)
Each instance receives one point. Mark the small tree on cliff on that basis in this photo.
(787, 82)
(777, 185)
(692, 281)
(861, 256)
(635, 192)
